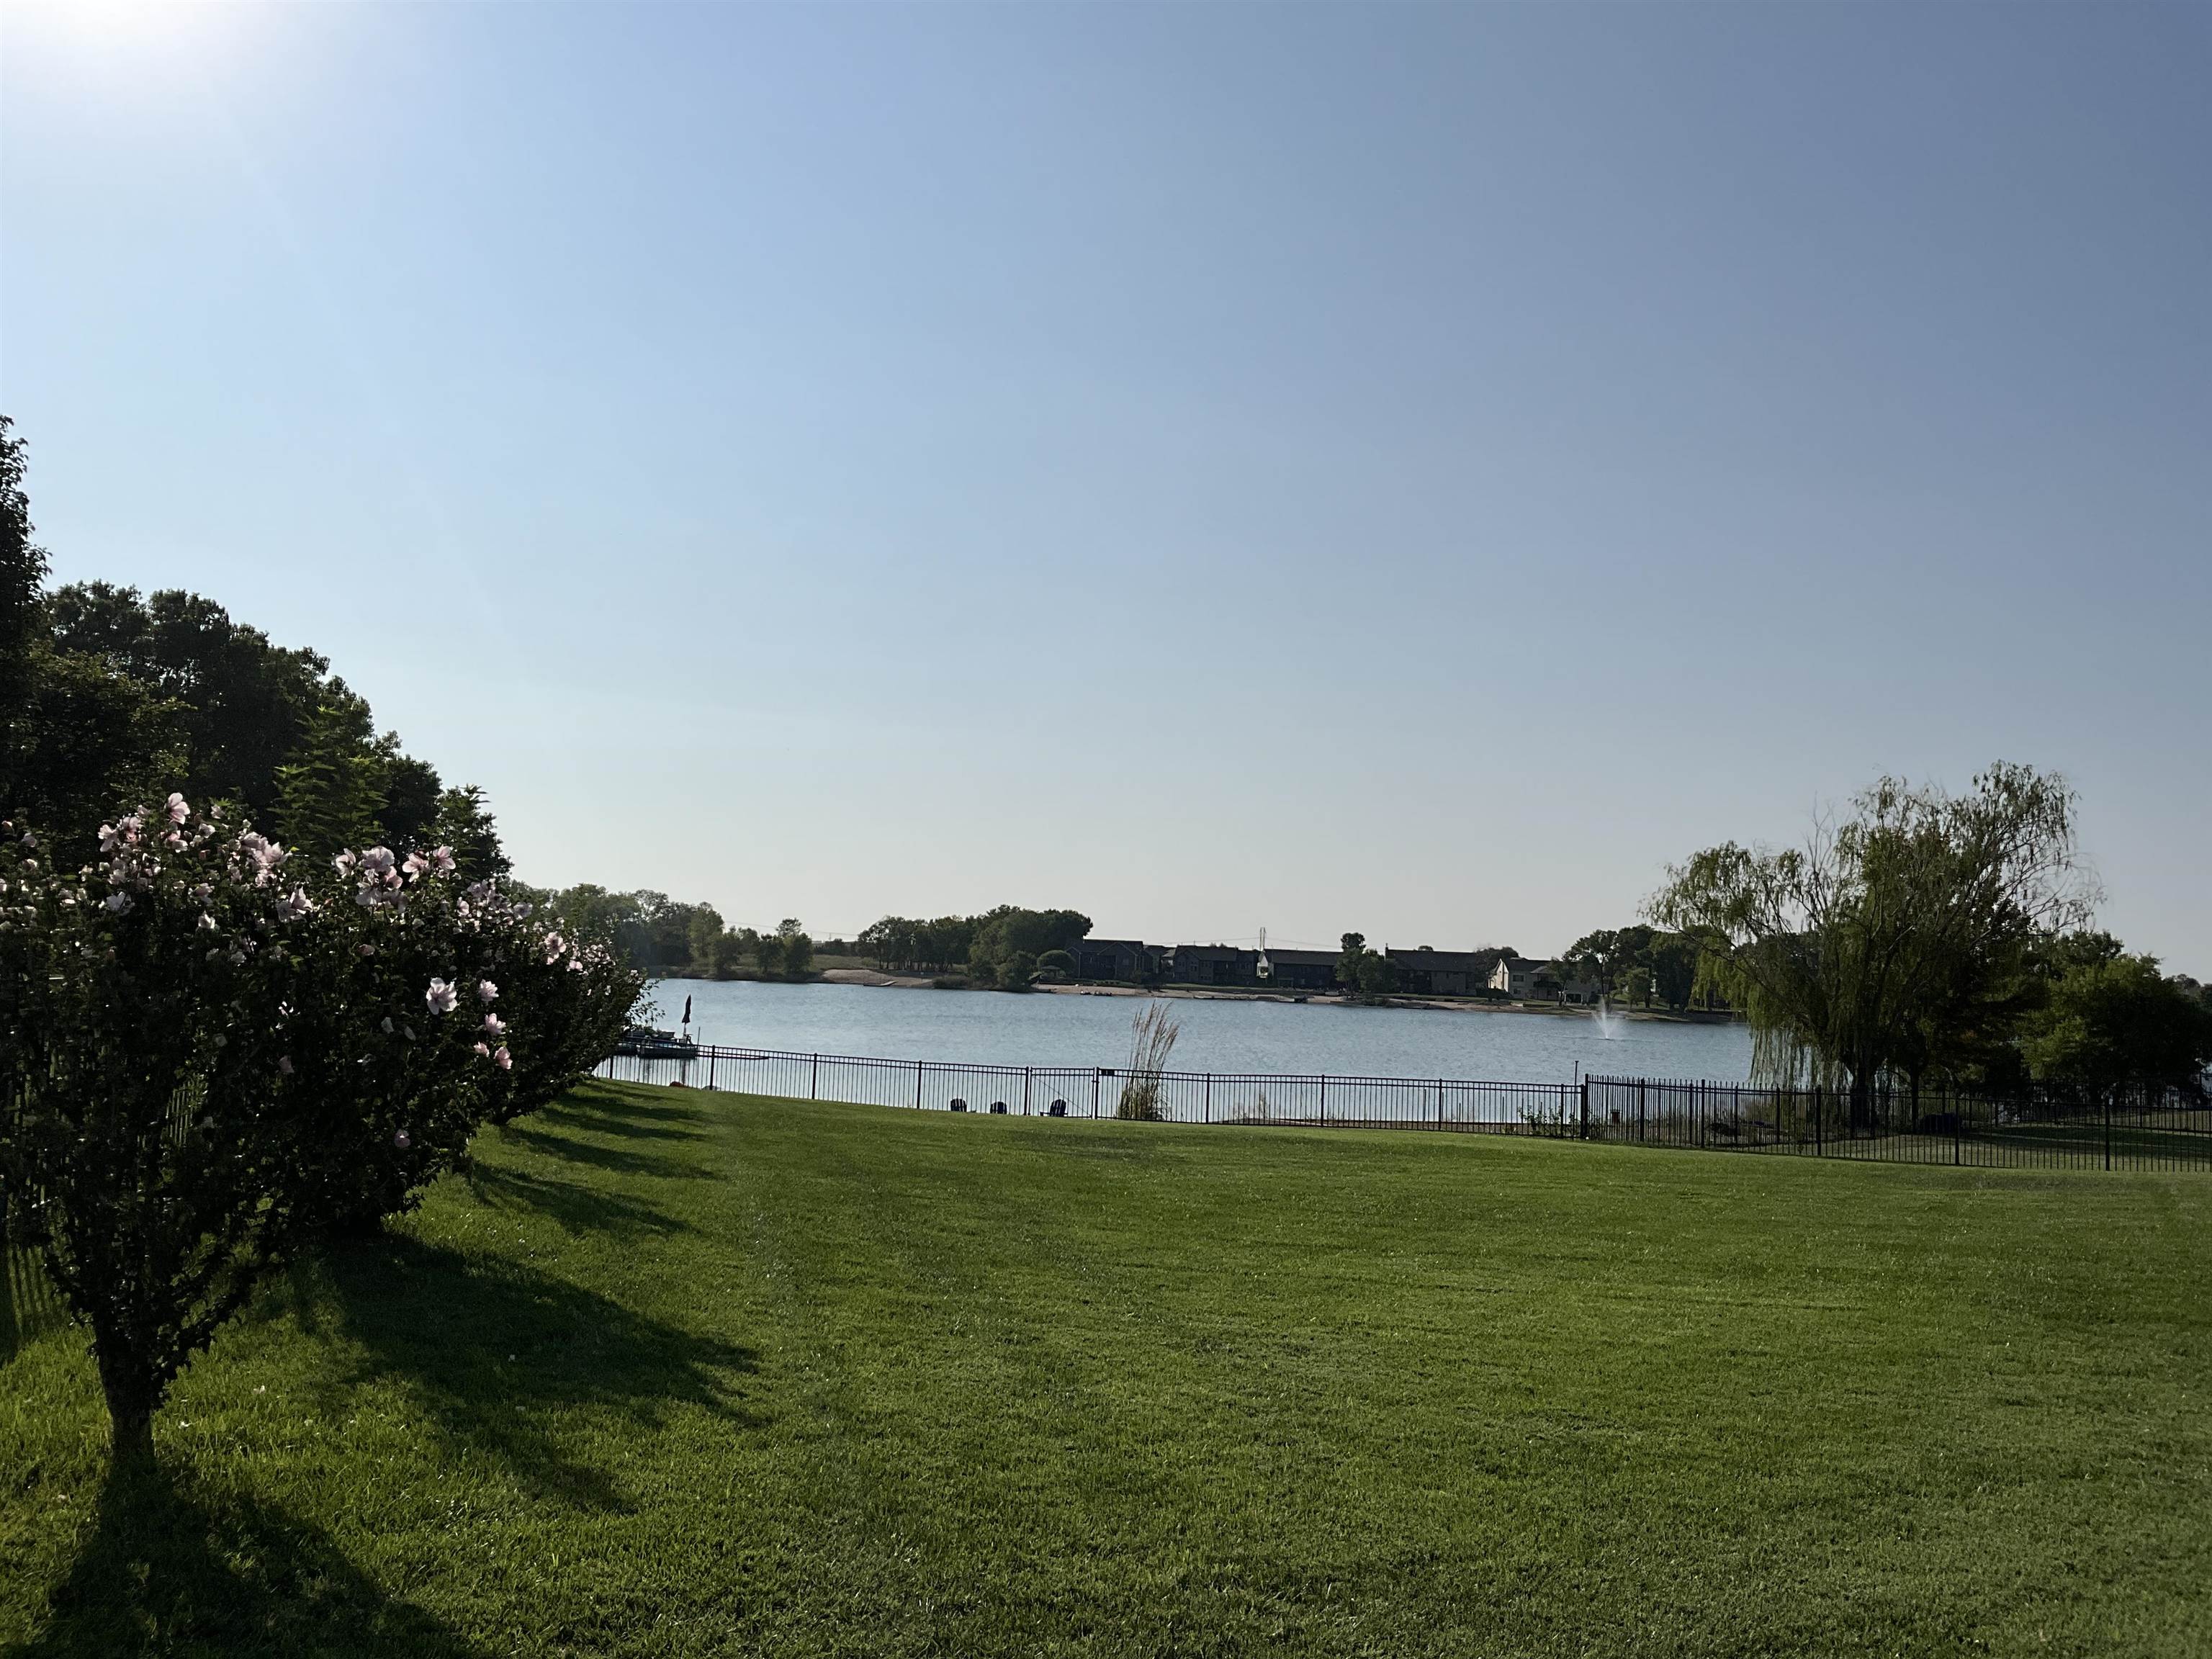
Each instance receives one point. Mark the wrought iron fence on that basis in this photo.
(2125, 1129)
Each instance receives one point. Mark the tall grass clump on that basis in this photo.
(1153, 1034)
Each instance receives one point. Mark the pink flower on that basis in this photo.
(415, 866)
(120, 903)
(343, 863)
(284, 1064)
(399, 1139)
(178, 811)
(492, 1024)
(441, 860)
(502, 1059)
(387, 1025)
(486, 991)
(485, 1048)
(366, 950)
(440, 997)
(263, 854)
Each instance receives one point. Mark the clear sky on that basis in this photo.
(1416, 471)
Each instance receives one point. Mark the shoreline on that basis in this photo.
(878, 979)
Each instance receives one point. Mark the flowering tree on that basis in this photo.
(211, 1057)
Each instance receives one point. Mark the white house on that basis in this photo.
(1516, 976)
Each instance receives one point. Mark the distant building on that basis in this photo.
(1127, 959)
(1522, 979)
(1303, 971)
(1210, 964)
(1516, 976)
(1424, 972)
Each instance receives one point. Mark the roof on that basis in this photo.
(1450, 962)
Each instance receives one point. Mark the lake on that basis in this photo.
(987, 1028)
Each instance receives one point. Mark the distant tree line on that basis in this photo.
(1645, 967)
(1007, 947)
(661, 936)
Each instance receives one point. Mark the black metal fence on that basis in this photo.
(2127, 1128)
(2135, 1129)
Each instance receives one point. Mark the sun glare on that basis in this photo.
(122, 36)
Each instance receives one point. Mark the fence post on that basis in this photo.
(1958, 1132)
(710, 1069)
(1639, 1111)
(814, 1080)
(1324, 1099)
(1095, 1075)
(917, 1084)
(1585, 1095)
(1025, 1091)
(2108, 1130)
(1440, 1103)
(1820, 1124)
(1209, 1096)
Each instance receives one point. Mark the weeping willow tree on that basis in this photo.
(1877, 948)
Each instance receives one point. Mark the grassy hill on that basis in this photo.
(675, 1374)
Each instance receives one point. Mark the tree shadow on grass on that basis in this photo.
(615, 1159)
(604, 1102)
(515, 1362)
(167, 1570)
(631, 1122)
(579, 1207)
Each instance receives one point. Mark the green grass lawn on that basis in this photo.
(676, 1373)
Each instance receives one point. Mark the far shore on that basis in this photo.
(880, 979)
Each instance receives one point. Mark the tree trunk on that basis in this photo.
(131, 1397)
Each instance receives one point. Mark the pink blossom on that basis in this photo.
(262, 853)
(284, 1064)
(343, 863)
(296, 905)
(440, 997)
(366, 950)
(178, 811)
(206, 923)
(486, 991)
(415, 866)
(441, 860)
(378, 861)
(120, 903)
(387, 1025)
(399, 1139)
(493, 1026)
(484, 1049)
(502, 1059)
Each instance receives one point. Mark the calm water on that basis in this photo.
(990, 1028)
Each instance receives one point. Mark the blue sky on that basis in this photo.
(1416, 470)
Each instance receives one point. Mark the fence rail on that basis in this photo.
(2130, 1129)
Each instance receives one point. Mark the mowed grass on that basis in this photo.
(674, 1373)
